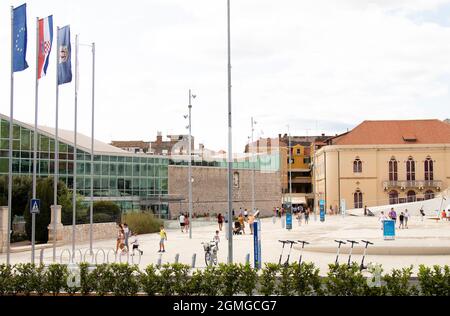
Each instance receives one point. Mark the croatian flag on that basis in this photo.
(45, 44)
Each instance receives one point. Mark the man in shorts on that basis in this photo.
(182, 220)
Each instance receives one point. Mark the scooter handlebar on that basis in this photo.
(367, 242)
(303, 242)
(340, 242)
(353, 241)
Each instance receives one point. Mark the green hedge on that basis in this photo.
(224, 279)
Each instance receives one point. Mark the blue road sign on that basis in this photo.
(289, 221)
(322, 210)
(35, 206)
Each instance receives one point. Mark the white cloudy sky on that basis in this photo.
(320, 66)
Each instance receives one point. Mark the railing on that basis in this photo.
(416, 184)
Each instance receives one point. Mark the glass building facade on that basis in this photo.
(125, 178)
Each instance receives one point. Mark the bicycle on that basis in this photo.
(210, 253)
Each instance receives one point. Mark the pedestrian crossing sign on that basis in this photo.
(35, 206)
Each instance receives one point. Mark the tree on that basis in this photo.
(44, 192)
(22, 186)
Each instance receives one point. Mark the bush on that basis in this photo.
(107, 209)
(398, 282)
(229, 276)
(345, 280)
(435, 281)
(150, 280)
(141, 223)
(6, 279)
(267, 279)
(211, 281)
(306, 280)
(55, 278)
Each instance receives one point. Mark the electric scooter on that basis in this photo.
(289, 254)
(353, 242)
(362, 266)
(282, 249)
(301, 251)
(340, 242)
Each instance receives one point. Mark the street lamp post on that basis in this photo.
(290, 171)
(190, 163)
(230, 147)
(253, 167)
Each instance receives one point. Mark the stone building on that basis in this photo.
(384, 162)
(209, 186)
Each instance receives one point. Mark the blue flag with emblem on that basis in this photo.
(19, 49)
(64, 52)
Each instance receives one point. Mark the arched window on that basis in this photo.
(410, 169)
(393, 170)
(428, 164)
(411, 196)
(429, 195)
(358, 199)
(357, 165)
(393, 197)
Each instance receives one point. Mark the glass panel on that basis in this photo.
(4, 167)
(4, 144)
(105, 169)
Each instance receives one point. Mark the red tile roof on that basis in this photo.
(396, 132)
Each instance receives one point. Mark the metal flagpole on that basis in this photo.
(55, 185)
(253, 169)
(91, 206)
(190, 168)
(74, 185)
(10, 156)
(230, 157)
(35, 143)
(290, 172)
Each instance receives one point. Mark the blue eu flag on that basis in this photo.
(20, 38)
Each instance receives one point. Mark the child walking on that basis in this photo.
(135, 243)
(163, 237)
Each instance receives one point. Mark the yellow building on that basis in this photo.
(383, 162)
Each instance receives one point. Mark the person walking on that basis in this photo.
(401, 218)
(163, 237)
(246, 214)
(393, 215)
(250, 221)
(422, 214)
(181, 220)
(307, 215)
(220, 221)
(406, 218)
(135, 243)
(242, 223)
(365, 210)
(126, 232)
(382, 218)
(119, 237)
(186, 222)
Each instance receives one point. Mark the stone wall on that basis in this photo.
(100, 231)
(209, 190)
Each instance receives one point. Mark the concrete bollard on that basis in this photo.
(41, 256)
(283, 222)
(158, 264)
(247, 259)
(177, 257)
(194, 256)
(274, 219)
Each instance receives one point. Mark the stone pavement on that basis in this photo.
(426, 242)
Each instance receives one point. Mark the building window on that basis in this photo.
(357, 166)
(299, 151)
(393, 170)
(428, 169)
(411, 196)
(393, 197)
(429, 195)
(358, 199)
(410, 169)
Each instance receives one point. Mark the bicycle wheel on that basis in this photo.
(207, 258)
(214, 259)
